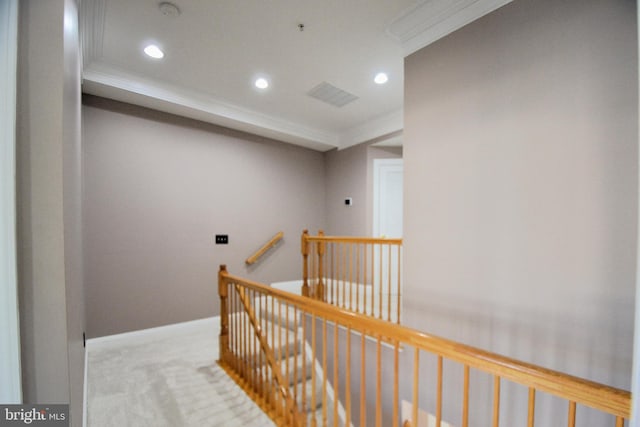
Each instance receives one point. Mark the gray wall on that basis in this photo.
(521, 185)
(349, 173)
(48, 205)
(157, 190)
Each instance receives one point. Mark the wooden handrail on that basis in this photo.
(598, 396)
(354, 239)
(275, 239)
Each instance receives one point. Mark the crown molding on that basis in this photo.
(383, 125)
(431, 20)
(102, 80)
(92, 18)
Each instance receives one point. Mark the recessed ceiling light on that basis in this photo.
(262, 83)
(381, 78)
(154, 51)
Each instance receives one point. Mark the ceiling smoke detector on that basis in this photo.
(169, 9)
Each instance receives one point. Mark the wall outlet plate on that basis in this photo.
(348, 201)
(222, 239)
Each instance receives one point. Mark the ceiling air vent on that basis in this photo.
(332, 95)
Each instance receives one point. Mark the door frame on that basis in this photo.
(378, 166)
(10, 369)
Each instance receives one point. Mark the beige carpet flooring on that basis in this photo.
(165, 377)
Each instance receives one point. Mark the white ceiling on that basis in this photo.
(215, 49)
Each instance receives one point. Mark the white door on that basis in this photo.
(387, 222)
(387, 197)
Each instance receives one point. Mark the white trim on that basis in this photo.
(635, 374)
(93, 14)
(431, 20)
(84, 389)
(144, 334)
(10, 369)
(104, 80)
(383, 125)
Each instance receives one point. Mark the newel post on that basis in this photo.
(320, 288)
(224, 313)
(305, 262)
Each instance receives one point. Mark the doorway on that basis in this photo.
(387, 197)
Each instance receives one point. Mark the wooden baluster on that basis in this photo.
(245, 354)
(250, 354)
(439, 394)
(240, 335)
(324, 372)
(379, 382)
(350, 276)
(396, 380)
(532, 407)
(304, 244)
(389, 287)
(571, 422)
(338, 267)
(373, 280)
(303, 386)
(321, 249)
(232, 324)
(358, 281)
(465, 398)
(334, 291)
(398, 290)
(347, 381)
(314, 402)
(363, 389)
(223, 339)
(344, 275)
(314, 271)
(279, 348)
(496, 401)
(251, 350)
(274, 385)
(339, 262)
(254, 351)
(619, 422)
(250, 357)
(256, 342)
(364, 278)
(287, 349)
(336, 383)
(266, 373)
(416, 375)
(240, 354)
(381, 278)
(296, 350)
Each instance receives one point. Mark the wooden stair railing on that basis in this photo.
(260, 252)
(447, 379)
(360, 274)
(228, 360)
(282, 387)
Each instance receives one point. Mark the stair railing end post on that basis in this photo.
(304, 245)
(224, 313)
